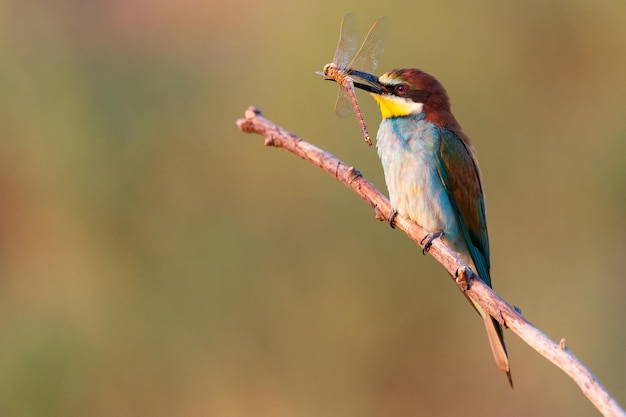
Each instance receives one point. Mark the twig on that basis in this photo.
(466, 280)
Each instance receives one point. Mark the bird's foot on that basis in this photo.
(428, 241)
(392, 219)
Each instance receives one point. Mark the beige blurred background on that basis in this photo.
(156, 261)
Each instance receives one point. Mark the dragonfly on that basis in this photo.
(347, 72)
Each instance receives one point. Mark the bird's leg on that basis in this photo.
(428, 240)
(392, 218)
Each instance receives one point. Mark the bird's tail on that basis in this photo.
(496, 341)
(494, 330)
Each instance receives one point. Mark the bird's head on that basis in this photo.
(405, 92)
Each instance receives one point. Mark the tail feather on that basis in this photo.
(496, 340)
(498, 348)
(494, 333)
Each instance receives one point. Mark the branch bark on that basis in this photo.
(465, 278)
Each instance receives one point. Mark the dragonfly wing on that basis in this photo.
(343, 105)
(366, 59)
(347, 45)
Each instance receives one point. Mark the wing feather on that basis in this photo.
(461, 178)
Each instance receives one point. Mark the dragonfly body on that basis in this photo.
(342, 77)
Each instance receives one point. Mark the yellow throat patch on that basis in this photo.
(392, 106)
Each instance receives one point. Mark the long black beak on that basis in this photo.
(366, 81)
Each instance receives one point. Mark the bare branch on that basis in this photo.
(465, 278)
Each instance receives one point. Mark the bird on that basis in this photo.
(432, 174)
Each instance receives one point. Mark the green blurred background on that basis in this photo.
(154, 260)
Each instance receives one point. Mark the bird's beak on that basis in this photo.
(367, 82)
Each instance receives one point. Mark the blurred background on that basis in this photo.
(154, 260)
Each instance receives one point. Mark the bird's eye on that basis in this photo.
(402, 89)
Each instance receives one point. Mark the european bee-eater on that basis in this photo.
(432, 174)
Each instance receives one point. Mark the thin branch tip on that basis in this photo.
(252, 112)
(246, 124)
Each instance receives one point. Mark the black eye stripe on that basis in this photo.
(419, 96)
(404, 90)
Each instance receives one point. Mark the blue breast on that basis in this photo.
(408, 148)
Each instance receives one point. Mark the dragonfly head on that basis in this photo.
(329, 71)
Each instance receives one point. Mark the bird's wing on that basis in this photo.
(460, 176)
